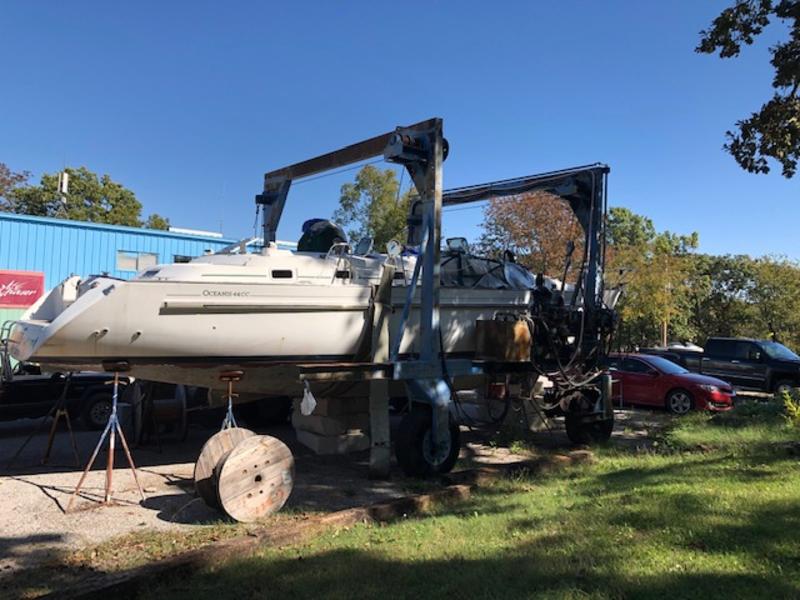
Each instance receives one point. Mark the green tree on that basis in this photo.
(156, 221)
(9, 181)
(89, 198)
(775, 295)
(654, 271)
(720, 295)
(626, 228)
(372, 205)
(774, 131)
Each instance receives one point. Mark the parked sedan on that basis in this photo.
(646, 380)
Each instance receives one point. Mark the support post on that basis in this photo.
(606, 393)
(59, 410)
(380, 442)
(112, 428)
(426, 171)
(273, 200)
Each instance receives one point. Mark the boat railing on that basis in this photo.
(342, 252)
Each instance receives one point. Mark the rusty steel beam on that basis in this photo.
(338, 158)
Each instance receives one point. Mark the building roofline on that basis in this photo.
(106, 227)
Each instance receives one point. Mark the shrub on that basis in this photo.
(791, 406)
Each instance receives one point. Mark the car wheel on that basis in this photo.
(96, 410)
(784, 385)
(679, 402)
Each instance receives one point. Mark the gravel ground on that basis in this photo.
(34, 526)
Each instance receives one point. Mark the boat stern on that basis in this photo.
(35, 336)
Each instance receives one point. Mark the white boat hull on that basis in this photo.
(188, 332)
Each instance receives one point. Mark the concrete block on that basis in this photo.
(330, 425)
(318, 424)
(333, 444)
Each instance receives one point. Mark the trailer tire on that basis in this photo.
(594, 432)
(413, 443)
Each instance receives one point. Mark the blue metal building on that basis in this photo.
(60, 248)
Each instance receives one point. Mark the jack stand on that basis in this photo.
(59, 410)
(229, 377)
(112, 428)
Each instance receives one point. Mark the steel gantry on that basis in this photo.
(422, 149)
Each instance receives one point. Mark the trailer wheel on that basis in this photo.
(593, 432)
(413, 446)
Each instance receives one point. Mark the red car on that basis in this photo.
(647, 380)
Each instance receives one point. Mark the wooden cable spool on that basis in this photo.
(255, 478)
(217, 446)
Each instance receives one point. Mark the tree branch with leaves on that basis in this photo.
(93, 198)
(774, 131)
(373, 205)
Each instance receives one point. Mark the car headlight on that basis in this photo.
(709, 388)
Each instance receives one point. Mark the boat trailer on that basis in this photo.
(569, 342)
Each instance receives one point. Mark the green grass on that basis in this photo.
(721, 522)
(752, 427)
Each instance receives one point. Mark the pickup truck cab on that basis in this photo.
(26, 392)
(746, 363)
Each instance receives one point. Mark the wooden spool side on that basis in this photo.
(255, 479)
(217, 446)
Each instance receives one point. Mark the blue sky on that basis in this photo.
(189, 103)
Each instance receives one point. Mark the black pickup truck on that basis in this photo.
(29, 393)
(761, 365)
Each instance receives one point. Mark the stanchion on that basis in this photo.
(59, 410)
(112, 428)
(229, 377)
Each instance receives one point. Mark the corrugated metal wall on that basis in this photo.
(60, 248)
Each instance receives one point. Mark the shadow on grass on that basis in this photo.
(659, 531)
(524, 571)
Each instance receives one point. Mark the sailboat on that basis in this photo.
(265, 313)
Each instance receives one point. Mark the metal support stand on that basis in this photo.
(112, 428)
(229, 377)
(59, 410)
(380, 455)
(422, 152)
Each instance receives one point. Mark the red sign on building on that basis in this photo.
(20, 289)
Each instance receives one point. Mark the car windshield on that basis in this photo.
(666, 366)
(779, 351)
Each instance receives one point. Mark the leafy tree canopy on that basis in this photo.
(373, 206)
(9, 180)
(653, 270)
(156, 221)
(89, 198)
(626, 228)
(774, 131)
(535, 226)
